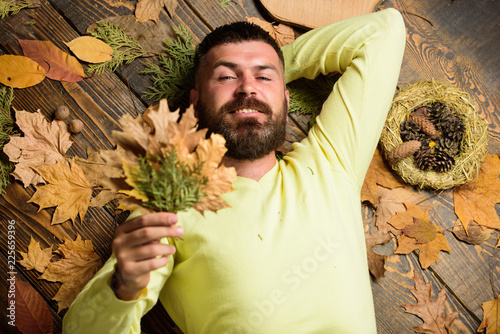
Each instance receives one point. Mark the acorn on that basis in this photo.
(62, 112)
(76, 126)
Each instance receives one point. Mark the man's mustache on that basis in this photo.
(246, 103)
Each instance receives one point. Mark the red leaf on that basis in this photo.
(58, 64)
(32, 314)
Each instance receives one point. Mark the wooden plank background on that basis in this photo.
(452, 40)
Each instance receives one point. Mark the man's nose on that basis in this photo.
(247, 86)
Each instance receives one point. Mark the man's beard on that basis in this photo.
(246, 138)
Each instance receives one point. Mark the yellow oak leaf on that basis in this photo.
(429, 251)
(78, 265)
(430, 311)
(378, 174)
(90, 49)
(20, 71)
(42, 143)
(67, 188)
(476, 200)
(36, 257)
(491, 317)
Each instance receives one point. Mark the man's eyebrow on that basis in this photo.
(233, 66)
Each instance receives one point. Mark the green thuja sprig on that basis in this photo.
(170, 185)
(7, 129)
(125, 49)
(13, 7)
(173, 78)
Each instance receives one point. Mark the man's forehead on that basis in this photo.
(232, 52)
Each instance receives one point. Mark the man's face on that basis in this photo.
(240, 93)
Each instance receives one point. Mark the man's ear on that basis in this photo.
(193, 99)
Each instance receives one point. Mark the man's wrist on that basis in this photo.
(119, 287)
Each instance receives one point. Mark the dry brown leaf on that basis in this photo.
(491, 317)
(149, 35)
(423, 231)
(57, 64)
(376, 261)
(42, 143)
(474, 235)
(90, 49)
(391, 202)
(36, 257)
(430, 311)
(428, 252)
(150, 9)
(138, 138)
(67, 188)
(378, 174)
(476, 200)
(31, 311)
(20, 71)
(78, 265)
(282, 33)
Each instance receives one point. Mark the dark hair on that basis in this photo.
(235, 32)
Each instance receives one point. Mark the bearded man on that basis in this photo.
(289, 255)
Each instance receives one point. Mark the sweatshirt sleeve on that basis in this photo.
(367, 50)
(97, 310)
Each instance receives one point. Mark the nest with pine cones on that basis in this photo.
(433, 136)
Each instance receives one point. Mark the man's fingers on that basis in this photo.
(151, 219)
(148, 252)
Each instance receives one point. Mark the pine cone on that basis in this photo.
(409, 130)
(447, 146)
(425, 159)
(426, 125)
(437, 110)
(403, 151)
(454, 128)
(421, 111)
(444, 162)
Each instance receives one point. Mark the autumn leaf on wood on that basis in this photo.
(476, 200)
(149, 35)
(378, 174)
(428, 251)
(67, 188)
(57, 64)
(376, 261)
(31, 312)
(474, 235)
(282, 33)
(146, 152)
(430, 311)
(90, 49)
(97, 171)
(391, 202)
(491, 317)
(20, 71)
(42, 143)
(77, 267)
(150, 9)
(36, 257)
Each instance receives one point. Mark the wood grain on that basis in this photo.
(316, 13)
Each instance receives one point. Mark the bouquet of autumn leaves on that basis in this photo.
(168, 164)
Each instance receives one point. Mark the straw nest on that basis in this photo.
(473, 146)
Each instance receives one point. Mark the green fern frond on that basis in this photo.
(7, 129)
(125, 49)
(173, 78)
(13, 7)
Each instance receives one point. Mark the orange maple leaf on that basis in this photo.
(42, 143)
(78, 265)
(429, 251)
(491, 317)
(476, 200)
(36, 257)
(378, 174)
(431, 312)
(67, 189)
(282, 33)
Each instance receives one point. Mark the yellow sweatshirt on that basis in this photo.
(289, 255)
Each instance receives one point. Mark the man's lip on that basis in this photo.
(245, 111)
